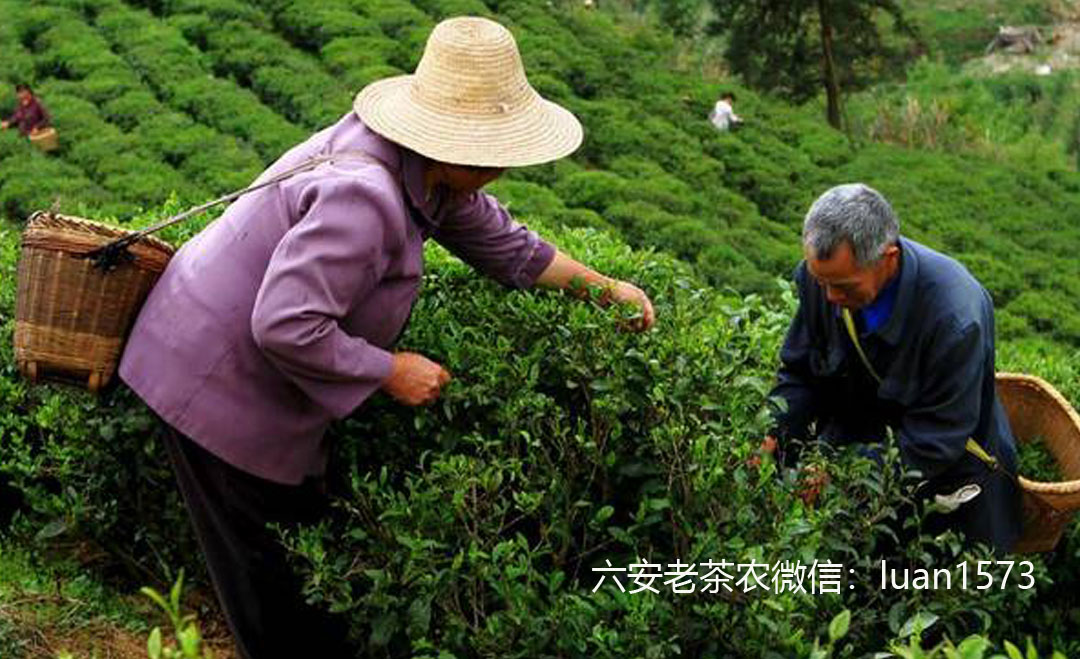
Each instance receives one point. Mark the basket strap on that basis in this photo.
(979, 452)
(109, 255)
(849, 322)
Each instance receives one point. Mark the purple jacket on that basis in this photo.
(277, 318)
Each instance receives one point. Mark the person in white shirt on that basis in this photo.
(723, 113)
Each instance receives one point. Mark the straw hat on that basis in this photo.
(469, 102)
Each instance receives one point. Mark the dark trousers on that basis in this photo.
(260, 595)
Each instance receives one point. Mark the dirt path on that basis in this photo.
(43, 634)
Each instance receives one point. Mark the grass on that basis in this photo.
(51, 606)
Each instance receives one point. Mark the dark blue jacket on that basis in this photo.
(935, 356)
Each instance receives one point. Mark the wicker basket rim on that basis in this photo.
(1035, 382)
(49, 220)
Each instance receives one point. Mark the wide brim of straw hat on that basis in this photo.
(539, 132)
(469, 102)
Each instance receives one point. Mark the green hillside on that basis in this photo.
(192, 98)
(472, 528)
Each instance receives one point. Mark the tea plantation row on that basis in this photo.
(192, 97)
(472, 528)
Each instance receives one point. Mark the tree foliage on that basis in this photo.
(797, 48)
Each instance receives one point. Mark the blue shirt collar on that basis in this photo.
(893, 303)
(878, 312)
(893, 328)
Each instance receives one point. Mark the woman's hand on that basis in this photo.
(625, 292)
(566, 273)
(415, 379)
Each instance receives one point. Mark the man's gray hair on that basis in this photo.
(855, 213)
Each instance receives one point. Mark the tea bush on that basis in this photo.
(290, 83)
(177, 72)
(233, 68)
(472, 527)
(346, 55)
(218, 10)
(315, 28)
(22, 191)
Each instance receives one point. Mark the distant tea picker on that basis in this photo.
(723, 113)
(31, 119)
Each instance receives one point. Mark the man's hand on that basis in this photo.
(768, 448)
(4, 125)
(415, 380)
(621, 291)
(813, 481)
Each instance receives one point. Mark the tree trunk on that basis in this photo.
(832, 86)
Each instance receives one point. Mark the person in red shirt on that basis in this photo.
(30, 115)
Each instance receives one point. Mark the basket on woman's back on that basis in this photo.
(71, 316)
(82, 283)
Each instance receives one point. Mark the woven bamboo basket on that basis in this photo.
(46, 139)
(71, 318)
(1036, 410)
